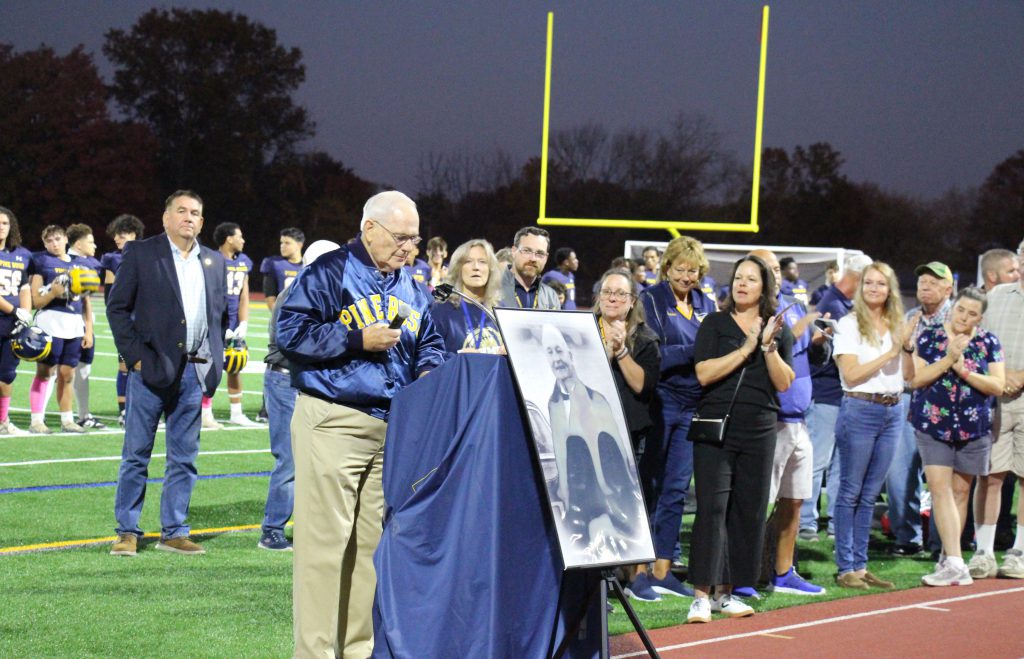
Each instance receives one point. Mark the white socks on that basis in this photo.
(985, 537)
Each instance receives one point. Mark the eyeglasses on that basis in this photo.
(615, 295)
(401, 240)
(529, 253)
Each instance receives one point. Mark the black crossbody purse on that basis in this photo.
(705, 430)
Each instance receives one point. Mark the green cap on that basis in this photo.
(937, 269)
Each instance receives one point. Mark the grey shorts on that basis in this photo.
(964, 457)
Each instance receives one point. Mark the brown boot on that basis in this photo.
(851, 580)
(872, 580)
(180, 545)
(126, 545)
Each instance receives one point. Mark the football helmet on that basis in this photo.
(29, 342)
(236, 356)
(83, 280)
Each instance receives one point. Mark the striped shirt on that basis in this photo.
(1004, 318)
(192, 283)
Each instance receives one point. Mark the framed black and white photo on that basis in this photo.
(580, 435)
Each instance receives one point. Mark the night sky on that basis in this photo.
(918, 96)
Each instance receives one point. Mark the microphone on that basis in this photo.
(442, 292)
(404, 311)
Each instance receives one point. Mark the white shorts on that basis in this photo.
(793, 466)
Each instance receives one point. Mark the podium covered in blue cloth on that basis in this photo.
(469, 564)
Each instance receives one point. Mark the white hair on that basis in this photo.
(856, 264)
(385, 205)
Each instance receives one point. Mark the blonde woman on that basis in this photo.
(473, 271)
(868, 346)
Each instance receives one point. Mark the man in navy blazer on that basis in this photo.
(167, 314)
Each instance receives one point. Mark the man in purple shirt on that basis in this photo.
(566, 265)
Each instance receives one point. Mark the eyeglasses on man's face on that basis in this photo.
(412, 241)
(530, 253)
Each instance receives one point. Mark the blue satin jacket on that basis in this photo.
(319, 331)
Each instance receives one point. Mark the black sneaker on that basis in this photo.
(274, 541)
(91, 422)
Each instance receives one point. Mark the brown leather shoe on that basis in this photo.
(851, 580)
(126, 545)
(872, 580)
(180, 545)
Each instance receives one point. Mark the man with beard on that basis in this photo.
(521, 285)
(593, 480)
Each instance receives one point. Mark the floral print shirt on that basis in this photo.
(949, 409)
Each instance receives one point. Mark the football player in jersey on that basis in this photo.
(15, 305)
(83, 252)
(123, 229)
(278, 273)
(228, 238)
(67, 318)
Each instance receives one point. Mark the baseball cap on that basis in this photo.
(935, 268)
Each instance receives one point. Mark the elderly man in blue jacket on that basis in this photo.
(347, 363)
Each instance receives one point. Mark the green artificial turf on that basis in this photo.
(236, 600)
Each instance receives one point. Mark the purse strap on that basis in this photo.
(737, 391)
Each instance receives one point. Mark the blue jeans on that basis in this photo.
(675, 481)
(280, 397)
(180, 403)
(903, 485)
(821, 426)
(866, 437)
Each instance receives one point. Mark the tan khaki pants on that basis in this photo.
(339, 504)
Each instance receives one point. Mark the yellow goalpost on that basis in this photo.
(672, 226)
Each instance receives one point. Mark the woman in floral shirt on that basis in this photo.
(958, 368)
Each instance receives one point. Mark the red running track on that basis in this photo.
(984, 619)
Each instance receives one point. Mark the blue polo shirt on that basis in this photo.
(793, 402)
(825, 379)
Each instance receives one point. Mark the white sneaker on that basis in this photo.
(983, 565)
(700, 610)
(730, 607)
(244, 421)
(8, 428)
(1013, 564)
(946, 574)
(209, 423)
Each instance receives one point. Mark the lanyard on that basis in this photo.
(477, 333)
(536, 298)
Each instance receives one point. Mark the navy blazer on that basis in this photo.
(147, 317)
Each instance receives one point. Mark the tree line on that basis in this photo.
(204, 99)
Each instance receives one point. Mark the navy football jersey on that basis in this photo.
(238, 269)
(111, 261)
(282, 270)
(48, 267)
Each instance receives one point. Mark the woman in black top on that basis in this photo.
(632, 350)
(732, 480)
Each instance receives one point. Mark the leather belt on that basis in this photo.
(196, 359)
(279, 369)
(882, 399)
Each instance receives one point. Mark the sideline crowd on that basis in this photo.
(838, 391)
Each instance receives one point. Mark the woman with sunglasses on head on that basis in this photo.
(743, 358)
(867, 348)
(474, 272)
(673, 308)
